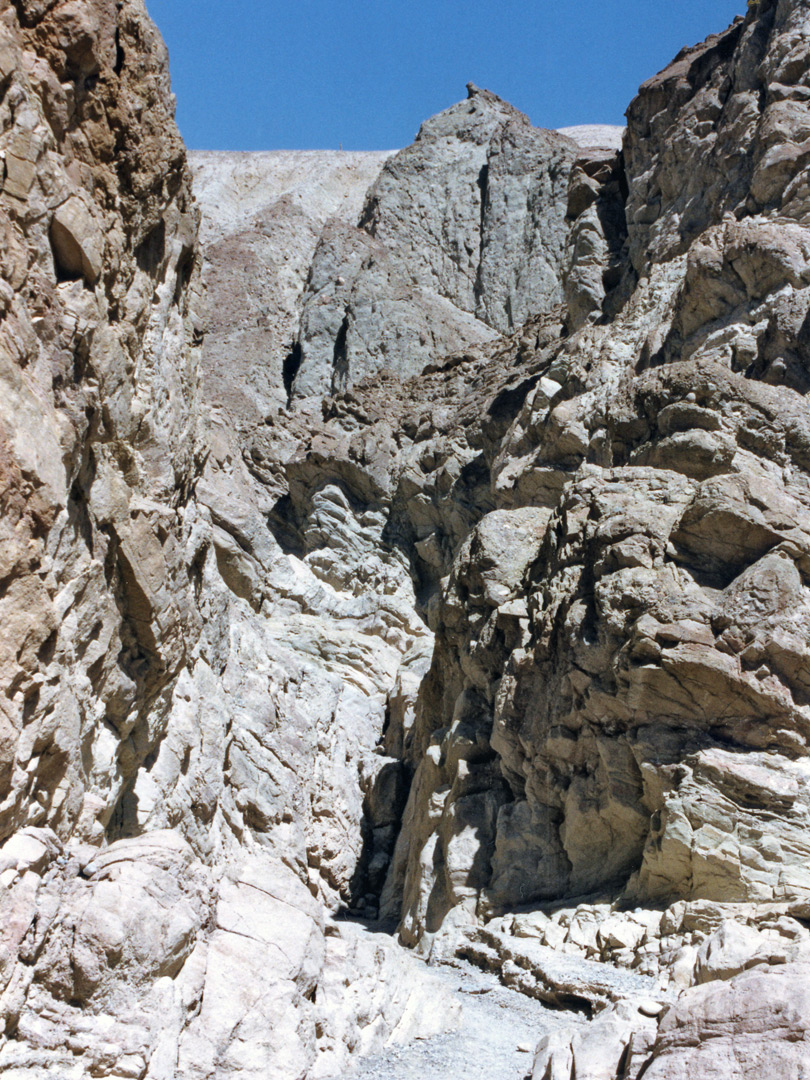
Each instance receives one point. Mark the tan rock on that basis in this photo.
(521, 627)
(77, 241)
(755, 1022)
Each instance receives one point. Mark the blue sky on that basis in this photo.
(319, 74)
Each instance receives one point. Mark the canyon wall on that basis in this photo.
(421, 540)
(168, 753)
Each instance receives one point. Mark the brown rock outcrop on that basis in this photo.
(99, 408)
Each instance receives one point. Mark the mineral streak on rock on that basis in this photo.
(446, 566)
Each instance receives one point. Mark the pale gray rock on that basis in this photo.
(444, 174)
(393, 999)
(463, 233)
(597, 278)
(262, 217)
(655, 638)
(232, 188)
(523, 229)
(365, 309)
(561, 980)
(169, 762)
(755, 1023)
(606, 1048)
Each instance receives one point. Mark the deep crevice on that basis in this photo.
(119, 53)
(290, 368)
(483, 186)
(340, 358)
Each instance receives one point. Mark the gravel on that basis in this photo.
(499, 1031)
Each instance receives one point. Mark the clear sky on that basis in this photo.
(363, 74)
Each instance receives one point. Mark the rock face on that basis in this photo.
(264, 216)
(157, 914)
(462, 234)
(460, 578)
(100, 448)
(630, 689)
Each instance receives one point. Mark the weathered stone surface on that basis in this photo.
(77, 241)
(393, 998)
(658, 643)
(419, 618)
(522, 234)
(606, 1048)
(171, 737)
(562, 980)
(263, 216)
(740, 88)
(462, 233)
(96, 600)
(755, 1023)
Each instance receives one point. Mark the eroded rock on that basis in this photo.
(482, 605)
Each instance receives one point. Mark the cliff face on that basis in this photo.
(460, 578)
(163, 754)
(265, 214)
(651, 649)
(100, 450)
(99, 415)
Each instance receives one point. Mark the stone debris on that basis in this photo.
(561, 979)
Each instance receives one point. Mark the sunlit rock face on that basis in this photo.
(328, 267)
(101, 444)
(264, 214)
(627, 709)
(169, 752)
(462, 235)
(422, 537)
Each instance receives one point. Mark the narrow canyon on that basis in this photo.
(404, 580)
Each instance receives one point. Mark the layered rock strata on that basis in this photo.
(462, 580)
(168, 761)
(606, 518)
